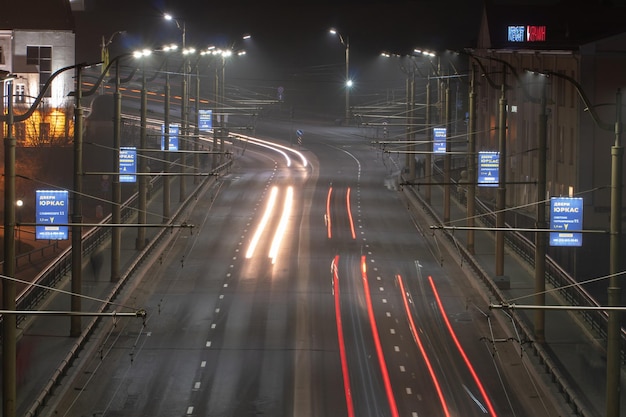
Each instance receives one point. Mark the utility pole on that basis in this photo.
(540, 237)
(196, 130)
(141, 163)
(183, 129)
(471, 166)
(501, 192)
(447, 166)
(428, 171)
(77, 209)
(9, 322)
(613, 362)
(166, 146)
(116, 209)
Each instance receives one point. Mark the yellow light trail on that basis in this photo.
(282, 226)
(269, 208)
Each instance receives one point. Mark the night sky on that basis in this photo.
(287, 27)
(290, 42)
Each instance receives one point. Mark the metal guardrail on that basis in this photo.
(94, 236)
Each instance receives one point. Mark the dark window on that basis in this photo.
(42, 57)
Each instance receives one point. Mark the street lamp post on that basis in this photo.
(348, 83)
(183, 106)
(141, 159)
(9, 323)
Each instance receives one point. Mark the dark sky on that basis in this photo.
(289, 26)
(290, 45)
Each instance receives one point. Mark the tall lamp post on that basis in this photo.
(348, 83)
(183, 105)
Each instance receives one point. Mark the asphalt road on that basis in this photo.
(358, 312)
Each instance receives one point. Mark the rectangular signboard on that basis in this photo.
(566, 214)
(128, 164)
(205, 120)
(173, 144)
(439, 139)
(51, 213)
(488, 169)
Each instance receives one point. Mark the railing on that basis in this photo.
(569, 393)
(91, 238)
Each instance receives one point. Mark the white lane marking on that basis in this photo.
(203, 364)
(190, 410)
(208, 344)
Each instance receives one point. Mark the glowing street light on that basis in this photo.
(346, 43)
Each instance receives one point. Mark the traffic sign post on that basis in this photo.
(488, 169)
(52, 210)
(566, 214)
(128, 164)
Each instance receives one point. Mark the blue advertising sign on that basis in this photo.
(51, 212)
(128, 164)
(174, 130)
(566, 214)
(439, 139)
(488, 169)
(205, 120)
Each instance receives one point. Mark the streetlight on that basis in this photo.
(346, 43)
(183, 106)
(141, 160)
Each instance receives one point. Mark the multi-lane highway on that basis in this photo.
(306, 289)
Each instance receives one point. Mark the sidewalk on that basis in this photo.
(580, 357)
(44, 342)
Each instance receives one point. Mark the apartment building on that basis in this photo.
(35, 42)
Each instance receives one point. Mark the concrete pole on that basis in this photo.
(216, 119)
(347, 86)
(613, 362)
(407, 129)
(196, 130)
(222, 105)
(541, 224)
(447, 166)
(428, 169)
(501, 192)
(411, 134)
(9, 321)
(77, 210)
(142, 179)
(166, 146)
(183, 132)
(471, 166)
(116, 209)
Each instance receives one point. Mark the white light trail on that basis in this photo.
(269, 208)
(282, 226)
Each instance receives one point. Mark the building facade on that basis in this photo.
(33, 47)
(577, 56)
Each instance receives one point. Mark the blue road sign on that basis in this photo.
(299, 133)
(205, 120)
(173, 144)
(128, 164)
(439, 139)
(488, 169)
(566, 214)
(51, 213)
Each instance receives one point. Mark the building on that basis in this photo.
(578, 53)
(35, 42)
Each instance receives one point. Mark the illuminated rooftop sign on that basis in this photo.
(522, 34)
